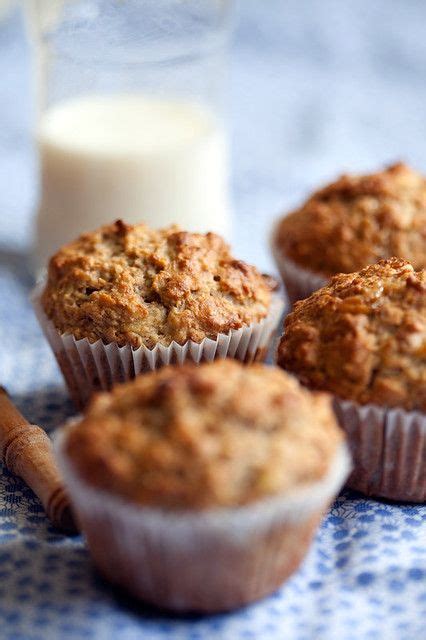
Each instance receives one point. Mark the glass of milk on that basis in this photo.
(130, 116)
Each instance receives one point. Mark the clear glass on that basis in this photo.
(131, 115)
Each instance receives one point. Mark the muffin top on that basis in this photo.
(139, 286)
(357, 221)
(200, 436)
(363, 336)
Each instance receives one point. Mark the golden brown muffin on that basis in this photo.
(138, 286)
(357, 221)
(218, 470)
(363, 337)
(217, 434)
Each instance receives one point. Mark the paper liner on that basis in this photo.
(203, 561)
(388, 448)
(300, 283)
(90, 367)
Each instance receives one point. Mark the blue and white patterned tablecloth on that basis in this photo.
(317, 86)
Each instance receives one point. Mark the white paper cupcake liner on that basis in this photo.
(388, 448)
(300, 283)
(206, 561)
(90, 367)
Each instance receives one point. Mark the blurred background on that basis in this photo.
(317, 87)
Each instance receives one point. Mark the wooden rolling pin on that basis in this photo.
(27, 452)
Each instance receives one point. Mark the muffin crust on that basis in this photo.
(357, 221)
(363, 337)
(138, 286)
(216, 434)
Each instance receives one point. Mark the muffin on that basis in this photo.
(349, 224)
(200, 495)
(125, 299)
(363, 338)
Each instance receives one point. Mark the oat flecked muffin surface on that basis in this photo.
(357, 221)
(363, 337)
(138, 286)
(217, 434)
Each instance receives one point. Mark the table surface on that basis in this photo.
(339, 86)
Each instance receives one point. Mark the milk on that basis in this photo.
(131, 157)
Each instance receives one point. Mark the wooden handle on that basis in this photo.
(27, 452)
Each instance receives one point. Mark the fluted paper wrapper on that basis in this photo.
(203, 561)
(299, 283)
(90, 367)
(388, 447)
